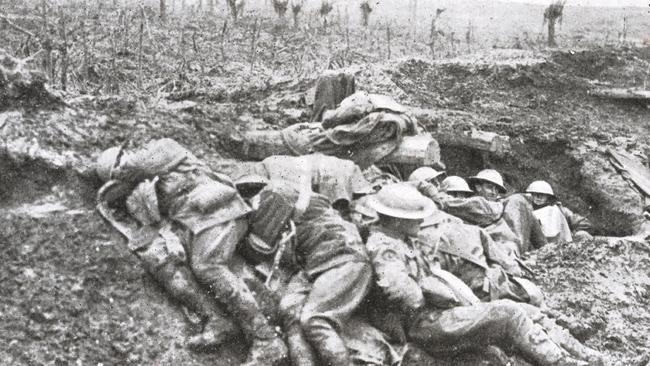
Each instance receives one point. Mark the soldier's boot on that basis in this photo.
(267, 348)
(563, 338)
(326, 342)
(497, 356)
(183, 287)
(263, 352)
(533, 342)
(300, 350)
(216, 331)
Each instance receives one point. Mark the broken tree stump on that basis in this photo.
(21, 85)
(415, 150)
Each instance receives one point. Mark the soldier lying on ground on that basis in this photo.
(211, 214)
(468, 252)
(365, 344)
(436, 309)
(333, 276)
(559, 224)
(162, 255)
(339, 180)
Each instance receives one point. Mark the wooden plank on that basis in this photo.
(621, 93)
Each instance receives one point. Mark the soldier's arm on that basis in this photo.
(474, 210)
(496, 255)
(155, 158)
(576, 222)
(393, 277)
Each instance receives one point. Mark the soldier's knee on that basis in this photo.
(289, 310)
(508, 309)
(306, 321)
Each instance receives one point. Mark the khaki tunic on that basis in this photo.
(189, 192)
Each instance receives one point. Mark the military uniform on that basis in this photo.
(560, 223)
(334, 276)
(442, 316)
(156, 243)
(510, 222)
(211, 212)
(518, 213)
(469, 253)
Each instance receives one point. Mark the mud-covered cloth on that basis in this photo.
(158, 245)
(365, 142)
(439, 320)
(363, 129)
(379, 178)
(477, 210)
(357, 105)
(323, 239)
(466, 250)
(518, 213)
(366, 345)
(501, 322)
(212, 213)
(335, 273)
(331, 89)
(337, 179)
(406, 273)
(188, 191)
(323, 305)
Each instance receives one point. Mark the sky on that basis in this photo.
(616, 3)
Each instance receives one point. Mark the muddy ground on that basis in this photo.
(72, 294)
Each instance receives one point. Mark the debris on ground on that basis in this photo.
(22, 85)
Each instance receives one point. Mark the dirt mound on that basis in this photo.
(604, 301)
(587, 63)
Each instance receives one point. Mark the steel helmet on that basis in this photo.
(403, 201)
(106, 161)
(541, 187)
(424, 173)
(362, 206)
(491, 176)
(251, 181)
(455, 183)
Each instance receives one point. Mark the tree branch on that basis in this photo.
(16, 27)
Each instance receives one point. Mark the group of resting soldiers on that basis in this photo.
(430, 261)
